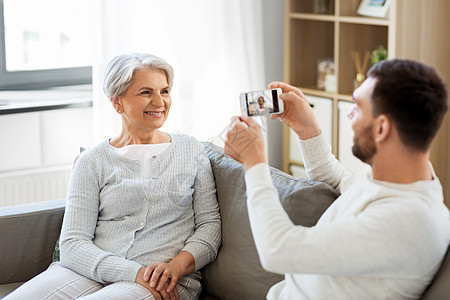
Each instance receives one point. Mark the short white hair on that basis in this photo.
(120, 71)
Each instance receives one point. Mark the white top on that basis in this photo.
(378, 240)
(262, 111)
(144, 154)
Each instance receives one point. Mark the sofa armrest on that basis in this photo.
(28, 236)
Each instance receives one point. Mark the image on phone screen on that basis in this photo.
(262, 103)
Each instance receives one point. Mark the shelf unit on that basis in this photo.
(412, 29)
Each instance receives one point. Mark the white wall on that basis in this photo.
(273, 35)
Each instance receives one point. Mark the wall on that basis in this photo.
(273, 30)
(421, 36)
(38, 152)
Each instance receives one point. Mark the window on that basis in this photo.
(45, 43)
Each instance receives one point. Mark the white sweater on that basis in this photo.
(113, 226)
(378, 240)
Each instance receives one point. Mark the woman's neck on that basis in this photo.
(147, 137)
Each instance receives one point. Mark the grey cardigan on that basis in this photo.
(112, 227)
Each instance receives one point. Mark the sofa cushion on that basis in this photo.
(28, 234)
(440, 287)
(237, 272)
(7, 288)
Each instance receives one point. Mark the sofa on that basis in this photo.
(29, 232)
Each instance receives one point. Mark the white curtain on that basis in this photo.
(214, 46)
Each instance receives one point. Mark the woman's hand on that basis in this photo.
(163, 277)
(158, 295)
(245, 142)
(298, 114)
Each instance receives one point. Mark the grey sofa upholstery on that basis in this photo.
(28, 234)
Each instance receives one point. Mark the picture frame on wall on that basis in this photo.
(374, 8)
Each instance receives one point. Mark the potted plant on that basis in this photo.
(380, 53)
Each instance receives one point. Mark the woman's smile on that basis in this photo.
(155, 114)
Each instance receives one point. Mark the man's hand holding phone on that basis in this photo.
(298, 114)
(245, 142)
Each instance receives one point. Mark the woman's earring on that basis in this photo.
(119, 111)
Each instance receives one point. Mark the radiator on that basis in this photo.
(34, 185)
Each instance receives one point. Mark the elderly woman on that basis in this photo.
(142, 216)
(262, 109)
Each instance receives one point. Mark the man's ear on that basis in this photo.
(382, 128)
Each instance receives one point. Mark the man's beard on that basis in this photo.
(364, 145)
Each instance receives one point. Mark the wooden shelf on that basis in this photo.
(363, 20)
(413, 29)
(324, 94)
(320, 37)
(313, 17)
(311, 37)
(318, 93)
(347, 98)
(341, 19)
(356, 37)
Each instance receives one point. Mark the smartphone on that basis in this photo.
(261, 103)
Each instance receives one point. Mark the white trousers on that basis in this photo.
(58, 282)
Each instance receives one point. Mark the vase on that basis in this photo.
(358, 80)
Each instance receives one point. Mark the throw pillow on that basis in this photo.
(237, 272)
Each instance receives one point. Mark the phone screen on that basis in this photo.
(262, 103)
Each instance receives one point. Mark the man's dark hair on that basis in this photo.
(413, 96)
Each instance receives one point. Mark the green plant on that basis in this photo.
(380, 53)
(56, 252)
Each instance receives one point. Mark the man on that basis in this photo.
(387, 233)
